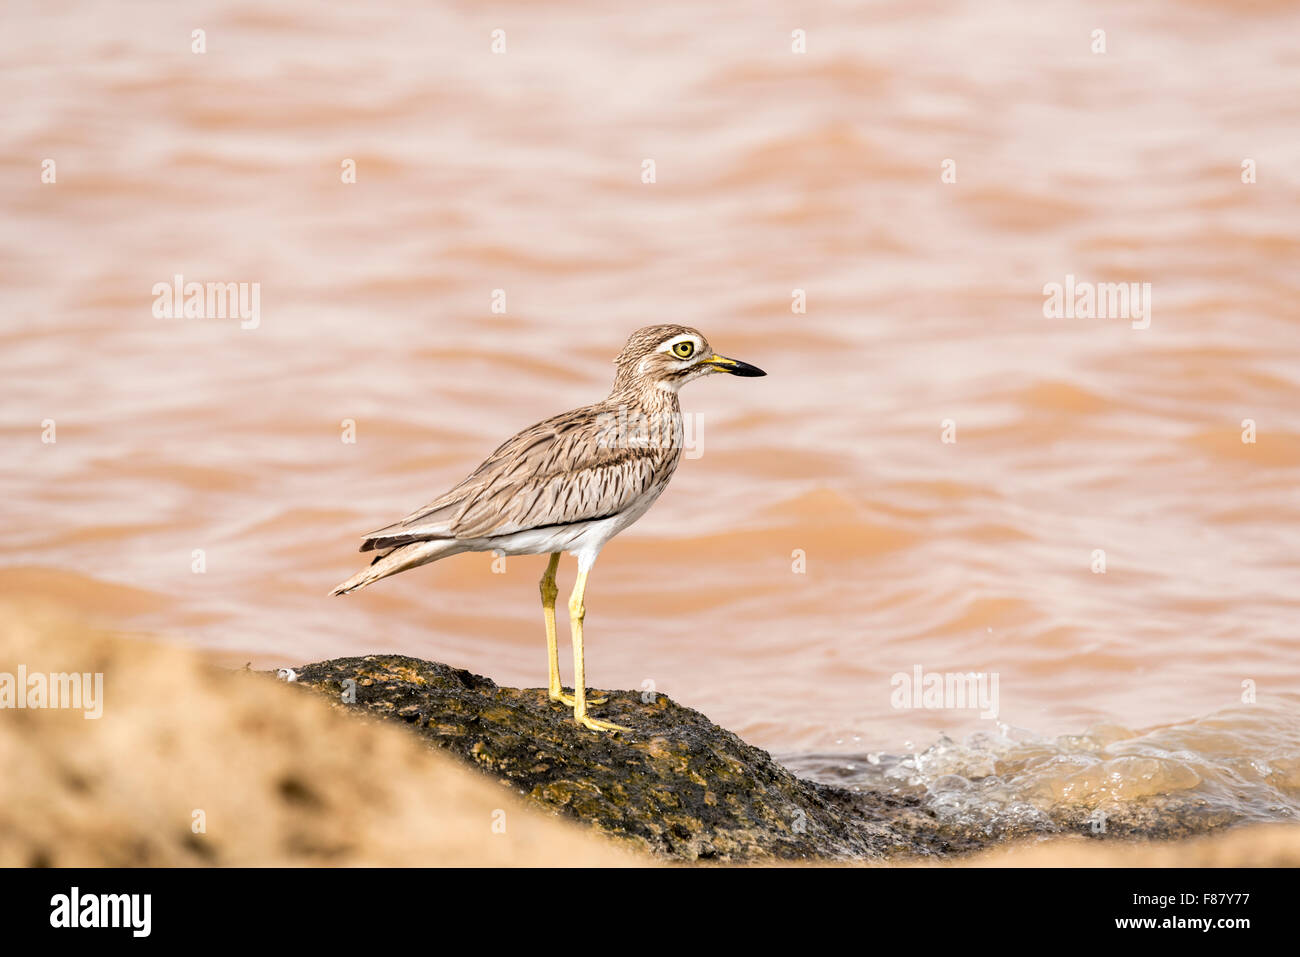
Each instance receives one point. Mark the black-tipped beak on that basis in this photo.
(735, 366)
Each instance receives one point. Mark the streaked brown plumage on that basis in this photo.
(568, 483)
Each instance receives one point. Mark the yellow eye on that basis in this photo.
(684, 349)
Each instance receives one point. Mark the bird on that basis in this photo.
(569, 483)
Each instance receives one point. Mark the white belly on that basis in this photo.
(582, 539)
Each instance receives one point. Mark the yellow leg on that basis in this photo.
(577, 612)
(549, 592)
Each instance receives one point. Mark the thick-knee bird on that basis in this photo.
(569, 483)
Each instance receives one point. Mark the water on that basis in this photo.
(775, 172)
(1239, 765)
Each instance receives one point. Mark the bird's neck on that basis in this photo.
(647, 420)
(645, 397)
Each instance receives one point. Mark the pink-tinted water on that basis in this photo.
(775, 171)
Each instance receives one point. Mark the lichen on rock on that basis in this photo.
(677, 786)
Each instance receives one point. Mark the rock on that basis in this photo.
(678, 786)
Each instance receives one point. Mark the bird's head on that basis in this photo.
(668, 356)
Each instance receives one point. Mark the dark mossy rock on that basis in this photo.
(677, 786)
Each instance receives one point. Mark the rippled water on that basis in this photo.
(1238, 765)
(775, 172)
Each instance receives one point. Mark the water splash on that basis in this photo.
(1237, 765)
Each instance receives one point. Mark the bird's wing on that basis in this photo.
(569, 468)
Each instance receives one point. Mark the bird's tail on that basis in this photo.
(399, 560)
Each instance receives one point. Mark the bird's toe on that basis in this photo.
(595, 724)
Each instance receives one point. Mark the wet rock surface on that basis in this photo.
(678, 786)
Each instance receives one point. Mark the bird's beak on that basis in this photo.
(733, 366)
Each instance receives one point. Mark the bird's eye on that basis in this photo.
(684, 349)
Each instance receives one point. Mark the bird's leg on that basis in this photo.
(549, 592)
(577, 612)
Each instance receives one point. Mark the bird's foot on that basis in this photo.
(595, 724)
(568, 701)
